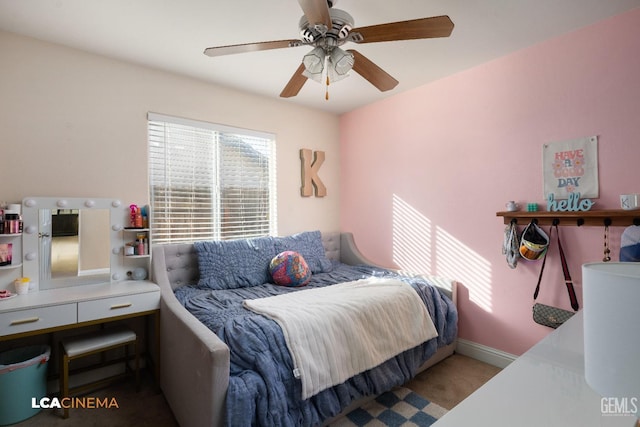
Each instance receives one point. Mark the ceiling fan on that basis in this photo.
(326, 29)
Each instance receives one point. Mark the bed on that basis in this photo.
(209, 381)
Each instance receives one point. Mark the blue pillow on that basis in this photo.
(309, 245)
(231, 264)
(630, 244)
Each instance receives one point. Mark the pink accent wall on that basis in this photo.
(424, 172)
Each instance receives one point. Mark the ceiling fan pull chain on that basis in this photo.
(326, 73)
(326, 94)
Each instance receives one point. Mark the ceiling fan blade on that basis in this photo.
(371, 72)
(295, 83)
(425, 28)
(316, 11)
(250, 47)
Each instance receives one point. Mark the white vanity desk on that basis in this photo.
(73, 251)
(74, 306)
(543, 387)
(54, 310)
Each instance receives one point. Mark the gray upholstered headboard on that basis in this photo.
(175, 262)
(331, 243)
(180, 260)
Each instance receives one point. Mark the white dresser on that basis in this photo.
(543, 387)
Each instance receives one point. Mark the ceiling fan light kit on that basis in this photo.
(318, 62)
(342, 62)
(314, 61)
(326, 29)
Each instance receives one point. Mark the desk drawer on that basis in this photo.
(117, 306)
(15, 322)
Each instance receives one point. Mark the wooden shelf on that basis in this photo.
(614, 217)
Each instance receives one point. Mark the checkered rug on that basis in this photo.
(398, 407)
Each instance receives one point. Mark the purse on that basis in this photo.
(548, 315)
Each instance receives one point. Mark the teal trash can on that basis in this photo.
(23, 377)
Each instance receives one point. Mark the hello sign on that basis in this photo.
(572, 204)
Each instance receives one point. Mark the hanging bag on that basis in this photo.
(511, 244)
(548, 315)
(534, 242)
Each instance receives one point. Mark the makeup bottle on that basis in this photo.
(132, 215)
(138, 219)
(11, 223)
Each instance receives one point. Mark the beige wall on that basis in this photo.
(74, 124)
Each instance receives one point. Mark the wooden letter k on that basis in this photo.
(310, 178)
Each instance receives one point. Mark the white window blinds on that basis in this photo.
(209, 181)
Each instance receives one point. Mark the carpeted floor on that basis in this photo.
(445, 384)
(398, 407)
(146, 408)
(452, 380)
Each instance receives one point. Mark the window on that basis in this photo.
(209, 181)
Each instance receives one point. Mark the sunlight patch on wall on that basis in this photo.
(457, 261)
(411, 238)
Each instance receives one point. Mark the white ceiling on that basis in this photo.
(172, 34)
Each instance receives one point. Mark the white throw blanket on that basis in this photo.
(338, 331)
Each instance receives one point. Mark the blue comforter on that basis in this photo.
(262, 389)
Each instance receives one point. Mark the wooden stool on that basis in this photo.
(93, 343)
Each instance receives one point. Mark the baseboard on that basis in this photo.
(484, 354)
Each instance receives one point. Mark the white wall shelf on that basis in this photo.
(14, 270)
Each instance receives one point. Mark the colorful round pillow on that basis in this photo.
(289, 268)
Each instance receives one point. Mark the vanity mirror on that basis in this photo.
(71, 241)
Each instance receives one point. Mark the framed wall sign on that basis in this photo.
(571, 167)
